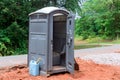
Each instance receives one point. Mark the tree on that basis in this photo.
(99, 18)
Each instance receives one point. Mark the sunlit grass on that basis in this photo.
(91, 43)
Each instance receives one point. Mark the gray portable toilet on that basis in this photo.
(51, 38)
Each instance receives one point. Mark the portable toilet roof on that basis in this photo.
(48, 10)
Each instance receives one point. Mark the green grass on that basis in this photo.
(94, 42)
(84, 46)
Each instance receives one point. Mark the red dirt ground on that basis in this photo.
(88, 71)
(117, 51)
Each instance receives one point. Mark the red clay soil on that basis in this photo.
(88, 71)
(117, 51)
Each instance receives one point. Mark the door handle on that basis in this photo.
(70, 40)
(51, 41)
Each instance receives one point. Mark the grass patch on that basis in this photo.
(93, 42)
(84, 46)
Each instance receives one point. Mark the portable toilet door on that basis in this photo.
(70, 44)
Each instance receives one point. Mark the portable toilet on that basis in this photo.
(51, 38)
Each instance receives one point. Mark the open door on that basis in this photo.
(70, 44)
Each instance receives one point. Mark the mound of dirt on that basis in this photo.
(88, 70)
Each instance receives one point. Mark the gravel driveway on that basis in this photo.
(101, 55)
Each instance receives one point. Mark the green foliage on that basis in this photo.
(13, 26)
(99, 18)
(14, 22)
(3, 49)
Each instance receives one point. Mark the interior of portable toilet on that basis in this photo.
(59, 41)
(50, 29)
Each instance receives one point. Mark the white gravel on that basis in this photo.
(106, 58)
(13, 60)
